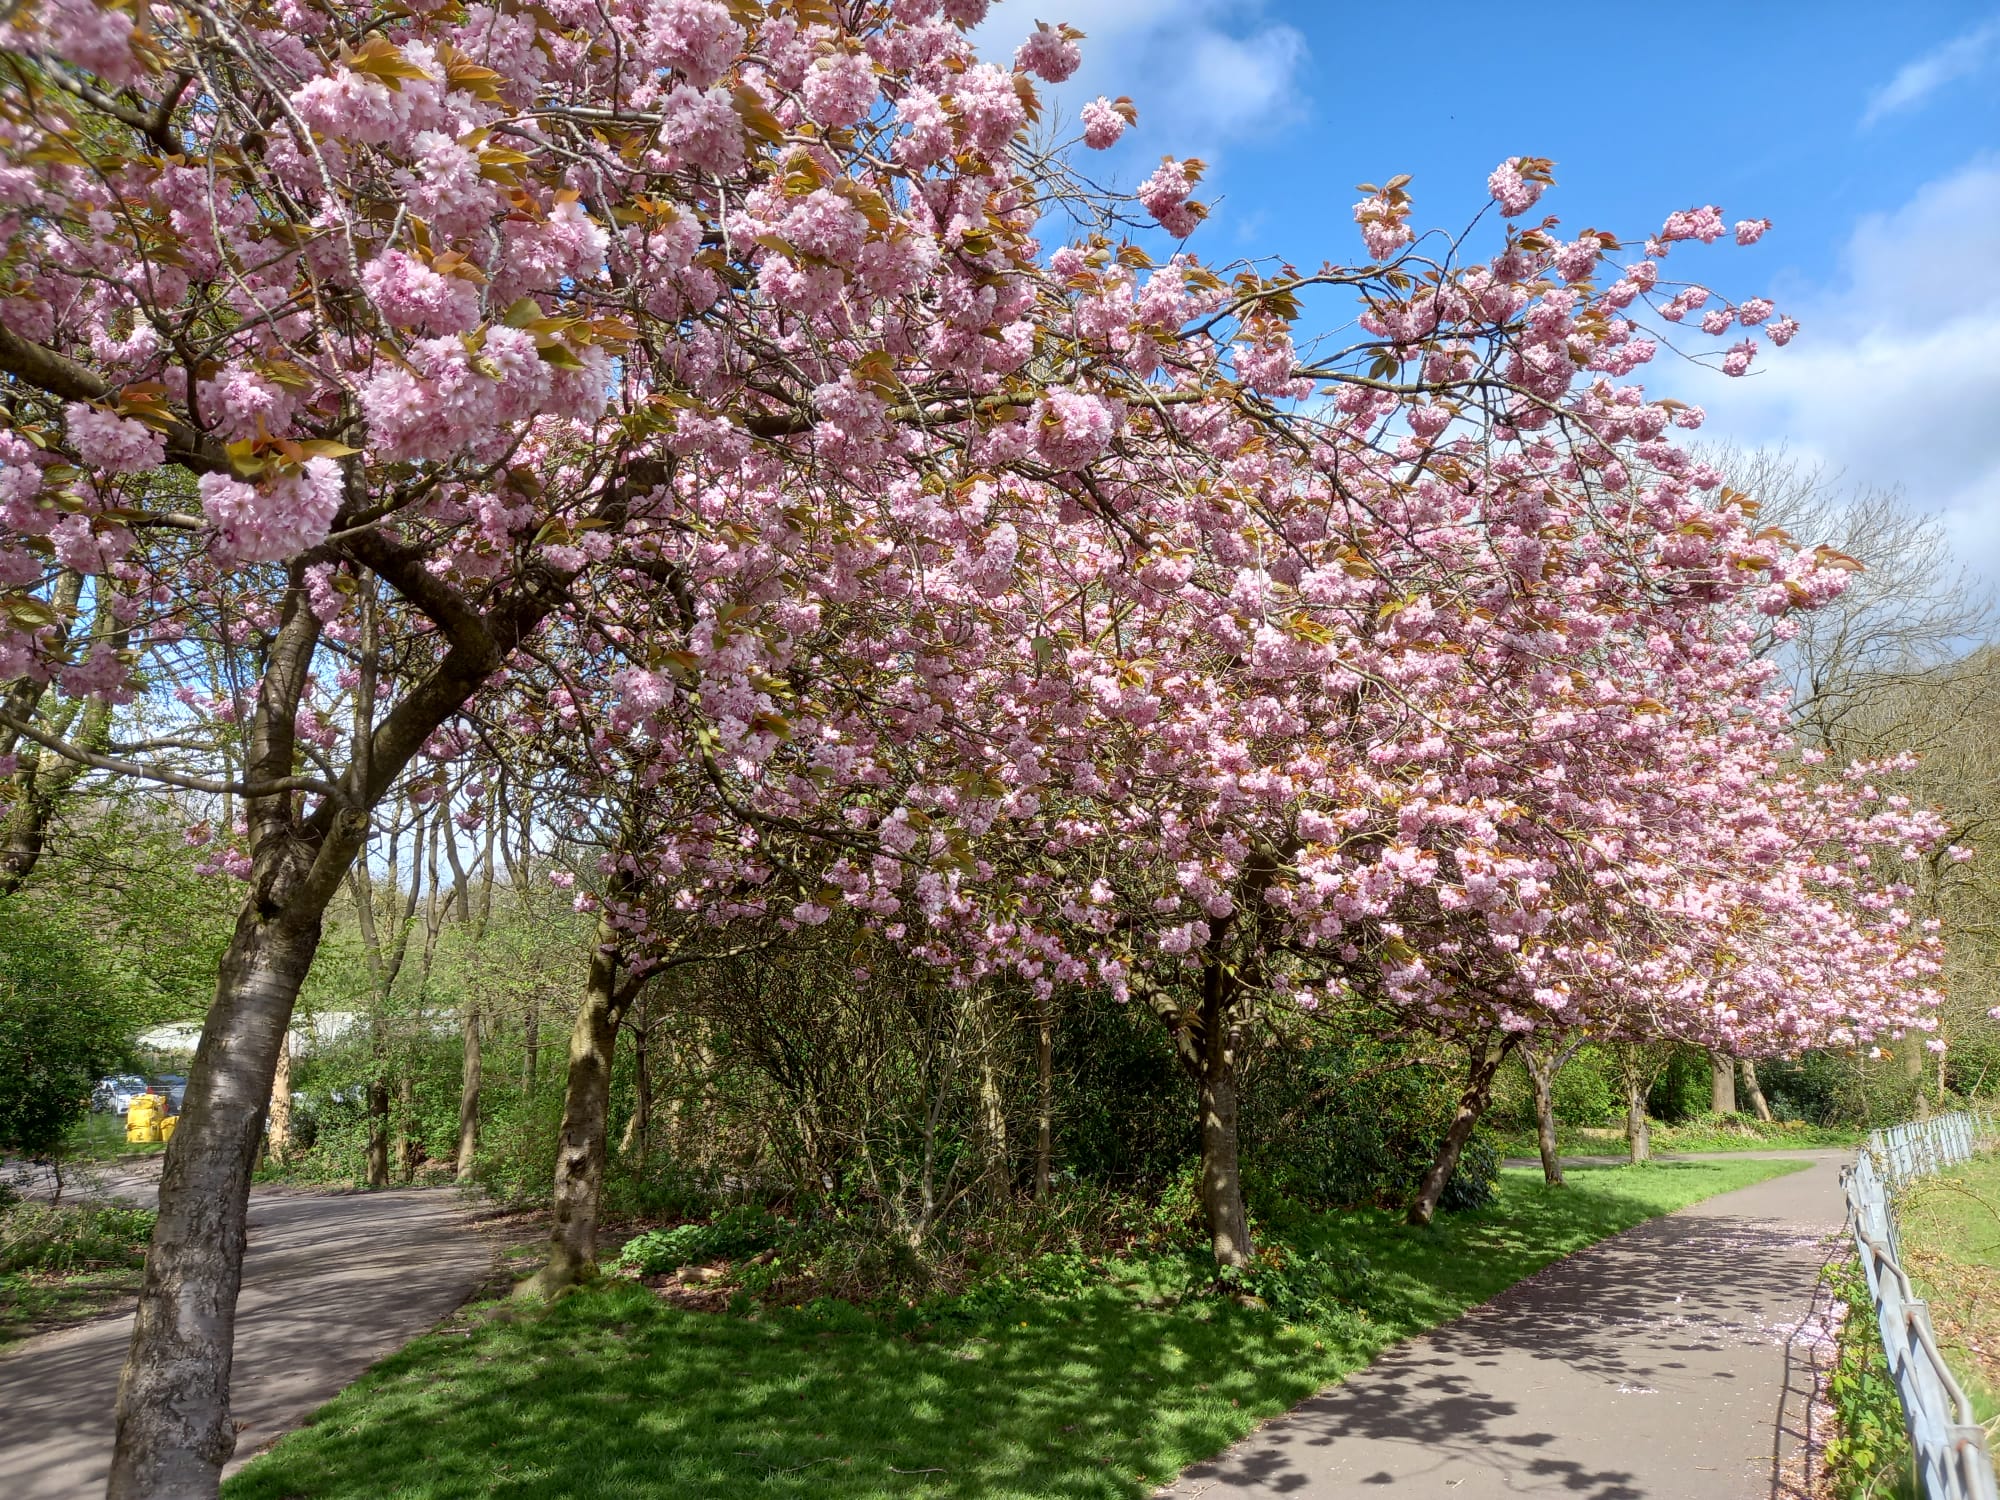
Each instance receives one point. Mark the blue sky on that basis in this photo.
(1869, 135)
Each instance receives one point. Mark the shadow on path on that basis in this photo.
(331, 1284)
(1673, 1360)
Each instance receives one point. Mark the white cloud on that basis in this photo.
(1895, 378)
(1203, 72)
(1962, 56)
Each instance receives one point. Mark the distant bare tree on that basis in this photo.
(1912, 613)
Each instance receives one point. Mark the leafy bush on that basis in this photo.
(1304, 1285)
(1869, 1453)
(1584, 1093)
(1474, 1182)
(729, 1236)
(73, 1237)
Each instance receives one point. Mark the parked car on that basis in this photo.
(173, 1088)
(114, 1095)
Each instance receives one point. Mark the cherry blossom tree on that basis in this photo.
(375, 335)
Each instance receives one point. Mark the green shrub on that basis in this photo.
(1584, 1093)
(1868, 1457)
(73, 1237)
(1314, 1285)
(729, 1236)
(1474, 1182)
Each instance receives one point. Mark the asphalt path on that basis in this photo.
(1675, 1361)
(331, 1283)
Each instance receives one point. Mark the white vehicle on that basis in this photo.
(115, 1094)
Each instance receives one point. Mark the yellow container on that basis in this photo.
(167, 1127)
(142, 1120)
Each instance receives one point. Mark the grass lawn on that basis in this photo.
(1949, 1230)
(1105, 1392)
(1715, 1134)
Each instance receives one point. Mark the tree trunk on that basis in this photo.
(279, 1131)
(580, 1149)
(406, 1111)
(378, 1131)
(1044, 1102)
(1758, 1106)
(531, 1047)
(471, 1078)
(1487, 1055)
(1722, 1084)
(639, 1128)
(174, 1429)
(1221, 1168)
(998, 1180)
(1638, 1133)
(1543, 1080)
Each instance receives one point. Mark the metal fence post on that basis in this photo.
(1946, 1439)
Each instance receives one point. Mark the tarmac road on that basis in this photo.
(1674, 1361)
(331, 1283)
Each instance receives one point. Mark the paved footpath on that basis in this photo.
(1674, 1361)
(330, 1285)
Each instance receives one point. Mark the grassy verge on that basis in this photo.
(1730, 1133)
(1948, 1228)
(1100, 1386)
(62, 1265)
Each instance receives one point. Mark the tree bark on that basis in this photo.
(1487, 1055)
(1544, 1061)
(279, 1131)
(174, 1430)
(1722, 1084)
(998, 1180)
(406, 1111)
(580, 1149)
(1758, 1106)
(1542, 1079)
(1044, 1101)
(1638, 1132)
(470, 1082)
(639, 1128)
(378, 1130)
(1221, 1166)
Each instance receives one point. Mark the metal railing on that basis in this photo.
(1946, 1439)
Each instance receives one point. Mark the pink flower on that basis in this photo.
(111, 444)
(1048, 53)
(1737, 360)
(94, 37)
(1384, 225)
(1783, 331)
(697, 37)
(1514, 193)
(1749, 231)
(840, 90)
(990, 106)
(702, 129)
(1104, 122)
(1704, 224)
(1073, 429)
(1753, 312)
(409, 294)
(277, 520)
(1165, 196)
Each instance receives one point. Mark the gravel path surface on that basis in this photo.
(1675, 1361)
(332, 1283)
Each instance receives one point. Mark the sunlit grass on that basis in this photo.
(1949, 1234)
(1108, 1393)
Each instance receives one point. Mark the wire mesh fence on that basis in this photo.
(1946, 1439)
